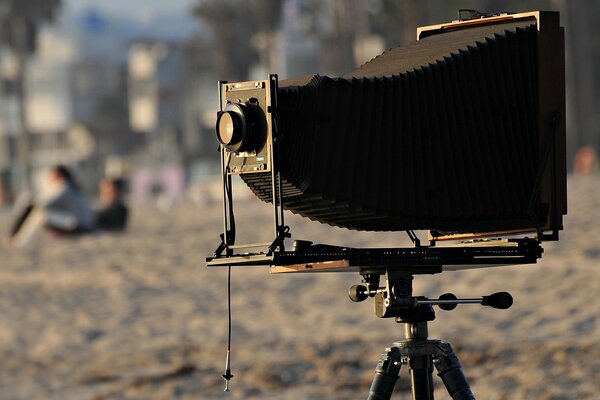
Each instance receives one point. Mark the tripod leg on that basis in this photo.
(386, 375)
(420, 375)
(449, 370)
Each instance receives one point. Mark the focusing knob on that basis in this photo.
(448, 307)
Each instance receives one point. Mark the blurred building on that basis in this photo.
(200, 102)
(155, 84)
(96, 71)
(64, 81)
(10, 118)
(77, 92)
(47, 102)
(45, 108)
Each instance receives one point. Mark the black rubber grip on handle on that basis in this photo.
(501, 300)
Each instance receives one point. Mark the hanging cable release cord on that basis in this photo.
(228, 375)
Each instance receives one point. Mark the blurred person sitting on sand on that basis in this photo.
(112, 216)
(66, 211)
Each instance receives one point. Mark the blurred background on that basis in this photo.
(128, 88)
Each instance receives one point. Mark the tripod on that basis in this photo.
(416, 351)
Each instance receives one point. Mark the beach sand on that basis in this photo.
(140, 316)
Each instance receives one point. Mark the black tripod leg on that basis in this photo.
(386, 375)
(420, 375)
(449, 370)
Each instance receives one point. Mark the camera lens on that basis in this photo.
(231, 127)
(240, 127)
(226, 127)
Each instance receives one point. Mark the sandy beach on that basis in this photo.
(140, 316)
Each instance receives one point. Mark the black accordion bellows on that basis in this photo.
(441, 134)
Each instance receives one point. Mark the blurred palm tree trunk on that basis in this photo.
(24, 141)
(267, 16)
(232, 30)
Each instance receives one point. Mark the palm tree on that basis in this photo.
(234, 23)
(19, 24)
(232, 31)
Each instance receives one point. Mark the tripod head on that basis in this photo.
(396, 300)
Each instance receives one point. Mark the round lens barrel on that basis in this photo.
(231, 127)
(226, 127)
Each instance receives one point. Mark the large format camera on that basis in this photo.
(461, 133)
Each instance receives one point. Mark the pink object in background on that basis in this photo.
(586, 161)
(167, 181)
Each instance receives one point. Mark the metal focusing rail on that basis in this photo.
(425, 259)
